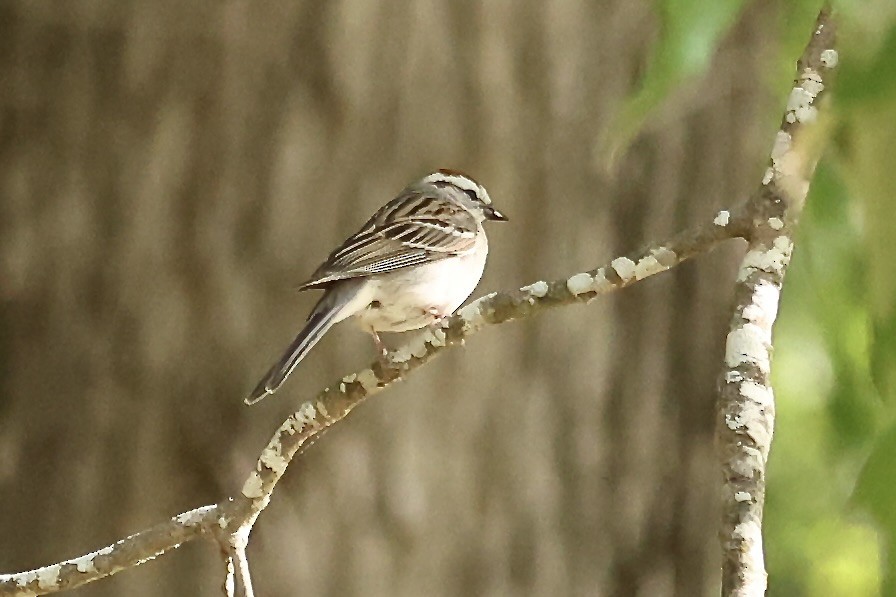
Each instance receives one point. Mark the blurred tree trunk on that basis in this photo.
(169, 172)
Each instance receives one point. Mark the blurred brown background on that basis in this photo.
(169, 171)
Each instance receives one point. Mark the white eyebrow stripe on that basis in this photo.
(461, 182)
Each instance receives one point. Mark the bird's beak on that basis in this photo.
(493, 214)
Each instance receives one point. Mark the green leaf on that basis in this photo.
(868, 45)
(871, 80)
(876, 493)
(688, 38)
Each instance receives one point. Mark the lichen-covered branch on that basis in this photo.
(746, 402)
(126, 553)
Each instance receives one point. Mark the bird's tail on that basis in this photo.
(321, 319)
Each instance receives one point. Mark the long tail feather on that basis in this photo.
(319, 322)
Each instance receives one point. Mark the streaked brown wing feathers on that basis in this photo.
(413, 229)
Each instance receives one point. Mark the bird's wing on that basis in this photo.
(415, 228)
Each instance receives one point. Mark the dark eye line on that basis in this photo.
(471, 194)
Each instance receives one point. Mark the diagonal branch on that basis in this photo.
(746, 406)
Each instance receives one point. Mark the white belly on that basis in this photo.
(415, 297)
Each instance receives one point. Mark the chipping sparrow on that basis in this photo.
(413, 263)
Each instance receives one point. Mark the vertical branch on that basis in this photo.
(229, 586)
(237, 578)
(238, 543)
(746, 405)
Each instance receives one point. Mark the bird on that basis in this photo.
(414, 262)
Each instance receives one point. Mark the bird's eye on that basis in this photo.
(472, 195)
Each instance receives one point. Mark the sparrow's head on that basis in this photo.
(471, 192)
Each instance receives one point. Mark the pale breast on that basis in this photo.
(415, 297)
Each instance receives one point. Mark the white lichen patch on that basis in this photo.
(322, 409)
(48, 577)
(742, 496)
(763, 308)
(752, 413)
(757, 393)
(722, 218)
(829, 58)
(749, 465)
(775, 223)
(538, 289)
(754, 419)
(799, 106)
(401, 355)
(624, 267)
(788, 167)
(580, 283)
(416, 347)
(343, 383)
(747, 345)
(783, 244)
(733, 422)
(754, 575)
(769, 175)
(273, 459)
(647, 266)
(472, 313)
(752, 313)
(771, 260)
(733, 376)
(192, 517)
(84, 564)
(368, 380)
(812, 83)
(666, 257)
(25, 578)
(601, 284)
(307, 415)
(436, 337)
(187, 518)
(252, 486)
(658, 261)
(781, 147)
(749, 531)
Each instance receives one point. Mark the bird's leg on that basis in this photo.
(382, 349)
(437, 316)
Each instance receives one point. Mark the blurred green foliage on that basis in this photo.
(689, 35)
(831, 511)
(831, 504)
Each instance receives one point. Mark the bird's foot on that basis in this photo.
(438, 315)
(381, 349)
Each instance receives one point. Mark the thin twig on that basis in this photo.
(238, 543)
(229, 586)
